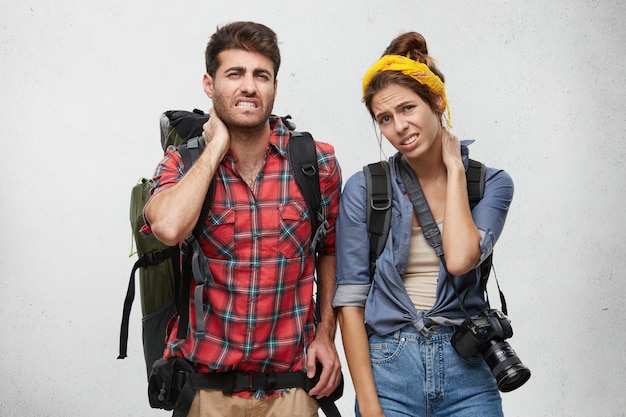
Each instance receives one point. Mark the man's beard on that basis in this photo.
(232, 120)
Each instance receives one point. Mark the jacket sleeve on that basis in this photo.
(353, 278)
(490, 213)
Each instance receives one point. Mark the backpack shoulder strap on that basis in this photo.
(188, 127)
(379, 200)
(190, 151)
(475, 175)
(303, 163)
(183, 129)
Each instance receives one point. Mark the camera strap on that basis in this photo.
(425, 217)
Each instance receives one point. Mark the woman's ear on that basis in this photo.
(439, 104)
(439, 109)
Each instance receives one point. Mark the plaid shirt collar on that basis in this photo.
(279, 135)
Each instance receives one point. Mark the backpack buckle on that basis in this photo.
(380, 204)
(185, 246)
(242, 382)
(236, 381)
(309, 169)
(320, 233)
(155, 257)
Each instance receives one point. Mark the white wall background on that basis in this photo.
(540, 85)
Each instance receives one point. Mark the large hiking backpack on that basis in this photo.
(164, 290)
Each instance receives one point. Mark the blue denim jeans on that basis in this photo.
(419, 375)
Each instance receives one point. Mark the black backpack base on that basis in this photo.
(155, 324)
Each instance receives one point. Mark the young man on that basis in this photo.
(259, 314)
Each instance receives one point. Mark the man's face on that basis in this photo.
(244, 88)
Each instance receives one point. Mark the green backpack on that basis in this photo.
(164, 289)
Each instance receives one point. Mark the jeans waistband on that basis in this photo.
(409, 332)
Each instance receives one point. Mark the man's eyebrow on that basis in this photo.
(243, 69)
(239, 69)
(262, 71)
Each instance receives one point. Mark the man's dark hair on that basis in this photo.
(249, 36)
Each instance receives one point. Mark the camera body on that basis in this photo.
(486, 334)
(475, 333)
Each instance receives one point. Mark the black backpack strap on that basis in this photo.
(194, 264)
(190, 151)
(475, 175)
(379, 201)
(150, 258)
(303, 163)
(485, 269)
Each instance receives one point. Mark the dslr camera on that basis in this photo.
(486, 334)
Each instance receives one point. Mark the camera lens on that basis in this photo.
(505, 366)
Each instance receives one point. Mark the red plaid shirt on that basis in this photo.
(259, 314)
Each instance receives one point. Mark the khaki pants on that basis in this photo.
(213, 403)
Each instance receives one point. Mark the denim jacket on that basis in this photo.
(387, 305)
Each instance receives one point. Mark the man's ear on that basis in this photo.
(207, 84)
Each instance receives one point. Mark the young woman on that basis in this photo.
(397, 329)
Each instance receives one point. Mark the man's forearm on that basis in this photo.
(326, 268)
(173, 213)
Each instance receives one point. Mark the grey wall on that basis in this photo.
(539, 85)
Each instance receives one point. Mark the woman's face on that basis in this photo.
(407, 121)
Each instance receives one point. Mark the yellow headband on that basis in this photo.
(414, 69)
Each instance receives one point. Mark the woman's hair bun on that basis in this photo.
(413, 45)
